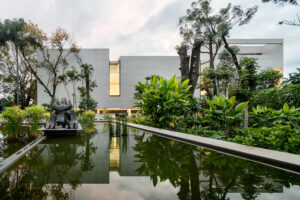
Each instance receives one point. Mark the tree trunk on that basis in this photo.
(87, 85)
(212, 66)
(18, 77)
(184, 63)
(192, 72)
(195, 64)
(232, 53)
(246, 117)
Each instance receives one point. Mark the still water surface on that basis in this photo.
(94, 165)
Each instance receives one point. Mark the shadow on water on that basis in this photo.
(60, 167)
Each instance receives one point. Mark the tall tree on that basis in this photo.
(232, 16)
(52, 58)
(212, 28)
(200, 23)
(17, 43)
(86, 73)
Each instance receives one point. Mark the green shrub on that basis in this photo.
(88, 104)
(34, 114)
(47, 116)
(281, 138)
(262, 116)
(12, 119)
(140, 119)
(222, 115)
(87, 116)
(161, 99)
(276, 97)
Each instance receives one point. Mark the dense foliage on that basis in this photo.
(161, 99)
(87, 116)
(34, 114)
(222, 118)
(12, 119)
(281, 138)
(222, 115)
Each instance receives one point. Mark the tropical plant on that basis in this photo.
(281, 138)
(34, 114)
(87, 116)
(12, 119)
(88, 103)
(161, 99)
(262, 116)
(140, 119)
(222, 114)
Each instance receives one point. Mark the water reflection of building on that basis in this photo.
(122, 156)
(83, 160)
(114, 154)
(91, 159)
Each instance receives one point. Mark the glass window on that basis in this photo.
(114, 79)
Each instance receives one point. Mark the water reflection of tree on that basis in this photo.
(89, 131)
(202, 174)
(36, 176)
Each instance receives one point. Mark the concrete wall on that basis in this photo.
(135, 68)
(269, 53)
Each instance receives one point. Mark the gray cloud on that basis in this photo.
(140, 27)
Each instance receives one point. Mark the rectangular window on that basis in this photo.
(114, 78)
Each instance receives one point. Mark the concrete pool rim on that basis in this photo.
(282, 160)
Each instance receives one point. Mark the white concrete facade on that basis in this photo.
(269, 53)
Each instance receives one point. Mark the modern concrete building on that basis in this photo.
(116, 80)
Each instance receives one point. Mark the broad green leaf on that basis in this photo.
(211, 104)
(286, 108)
(154, 80)
(171, 81)
(161, 82)
(184, 83)
(241, 106)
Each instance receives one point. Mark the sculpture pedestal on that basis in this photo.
(60, 131)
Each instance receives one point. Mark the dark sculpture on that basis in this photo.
(64, 116)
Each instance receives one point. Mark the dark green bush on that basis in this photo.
(268, 117)
(223, 114)
(88, 103)
(276, 97)
(281, 138)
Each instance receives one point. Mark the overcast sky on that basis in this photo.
(147, 27)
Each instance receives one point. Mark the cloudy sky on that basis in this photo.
(147, 27)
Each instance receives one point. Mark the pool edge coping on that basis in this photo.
(7, 162)
(279, 159)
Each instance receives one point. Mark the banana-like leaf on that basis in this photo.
(241, 106)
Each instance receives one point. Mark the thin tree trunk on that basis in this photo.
(232, 53)
(246, 117)
(212, 66)
(18, 77)
(87, 85)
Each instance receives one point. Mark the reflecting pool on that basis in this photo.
(96, 165)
